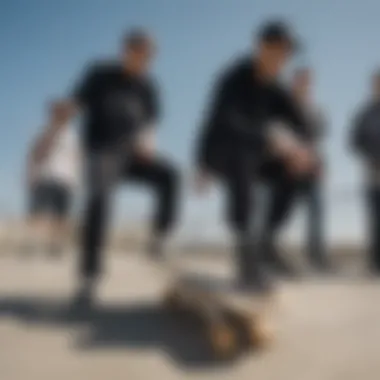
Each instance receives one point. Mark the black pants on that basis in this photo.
(285, 192)
(238, 179)
(238, 174)
(106, 169)
(373, 201)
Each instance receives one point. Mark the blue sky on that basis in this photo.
(45, 44)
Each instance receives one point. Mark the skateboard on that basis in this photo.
(234, 319)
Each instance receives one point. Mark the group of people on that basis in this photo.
(255, 131)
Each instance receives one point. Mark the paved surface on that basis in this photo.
(328, 329)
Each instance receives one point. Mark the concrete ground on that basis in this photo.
(328, 329)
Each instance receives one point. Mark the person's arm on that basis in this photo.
(223, 117)
(283, 132)
(287, 135)
(65, 110)
(221, 97)
(224, 120)
(57, 122)
(60, 113)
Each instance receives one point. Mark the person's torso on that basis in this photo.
(63, 164)
(117, 107)
(256, 100)
(255, 104)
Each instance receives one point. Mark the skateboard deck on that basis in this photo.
(234, 318)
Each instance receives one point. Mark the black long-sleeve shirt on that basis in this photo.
(365, 134)
(116, 103)
(365, 139)
(241, 110)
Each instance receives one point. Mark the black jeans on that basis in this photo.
(234, 167)
(238, 173)
(285, 192)
(312, 192)
(105, 171)
(373, 201)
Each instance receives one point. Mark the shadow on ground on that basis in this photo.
(139, 326)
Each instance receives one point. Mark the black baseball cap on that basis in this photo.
(279, 32)
(137, 37)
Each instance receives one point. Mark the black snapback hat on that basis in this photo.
(137, 37)
(278, 32)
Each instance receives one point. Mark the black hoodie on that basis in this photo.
(365, 137)
(242, 108)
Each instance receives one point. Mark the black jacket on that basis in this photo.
(241, 109)
(365, 137)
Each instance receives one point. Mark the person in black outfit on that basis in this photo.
(251, 119)
(365, 141)
(121, 107)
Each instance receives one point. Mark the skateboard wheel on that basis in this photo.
(223, 341)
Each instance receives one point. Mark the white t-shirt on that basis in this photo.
(63, 164)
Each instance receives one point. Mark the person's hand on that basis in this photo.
(202, 181)
(145, 147)
(145, 152)
(301, 161)
(61, 112)
(299, 158)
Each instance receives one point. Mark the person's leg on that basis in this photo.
(36, 229)
(283, 193)
(238, 184)
(315, 240)
(103, 172)
(373, 200)
(163, 178)
(59, 219)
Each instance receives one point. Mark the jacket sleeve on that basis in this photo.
(220, 96)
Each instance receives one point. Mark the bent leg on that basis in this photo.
(161, 176)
